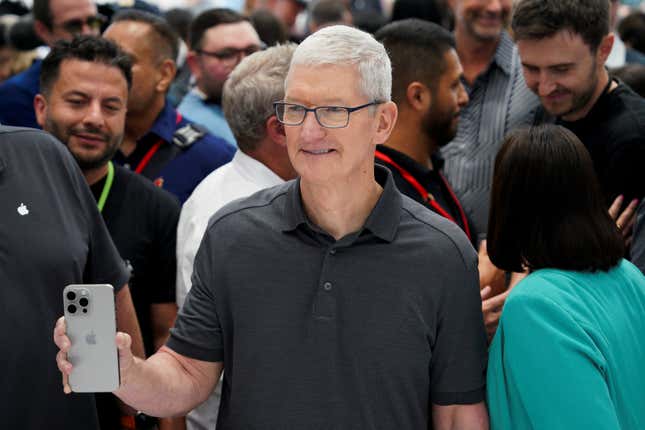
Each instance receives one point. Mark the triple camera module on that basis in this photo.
(78, 301)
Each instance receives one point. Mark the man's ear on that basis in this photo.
(418, 96)
(604, 49)
(40, 108)
(43, 32)
(192, 59)
(275, 130)
(167, 70)
(386, 116)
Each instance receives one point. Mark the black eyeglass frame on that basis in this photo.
(222, 55)
(75, 26)
(348, 109)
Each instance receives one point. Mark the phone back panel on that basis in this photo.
(91, 327)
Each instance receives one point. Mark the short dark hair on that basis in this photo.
(167, 44)
(270, 29)
(93, 49)
(547, 209)
(428, 10)
(416, 49)
(327, 11)
(632, 30)
(209, 19)
(179, 19)
(539, 19)
(41, 11)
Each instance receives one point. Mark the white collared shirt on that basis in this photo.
(241, 177)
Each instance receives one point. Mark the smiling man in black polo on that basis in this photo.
(332, 301)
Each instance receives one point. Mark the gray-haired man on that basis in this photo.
(332, 301)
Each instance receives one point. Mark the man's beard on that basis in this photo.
(112, 143)
(581, 100)
(439, 128)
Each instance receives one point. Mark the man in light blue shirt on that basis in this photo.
(219, 39)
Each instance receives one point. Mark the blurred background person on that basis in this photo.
(53, 20)
(323, 13)
(159, 142)
(12, 60)
(219, 40)
(621, 52)
(436, 11)
(270, 29)
(569, 349)
(499, 101)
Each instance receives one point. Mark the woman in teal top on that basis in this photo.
(569, 352)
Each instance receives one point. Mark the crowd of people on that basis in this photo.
(327, 214)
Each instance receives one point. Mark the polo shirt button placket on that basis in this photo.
(327, 286)
(332, 251)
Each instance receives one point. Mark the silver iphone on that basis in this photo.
(91, 327)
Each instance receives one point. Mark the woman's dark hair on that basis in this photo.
(547, 209)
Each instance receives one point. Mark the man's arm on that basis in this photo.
(162, 318)
(166, 384)
(460, 417)
(126, 320)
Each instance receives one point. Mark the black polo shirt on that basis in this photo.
(51, 235)
(359, 333)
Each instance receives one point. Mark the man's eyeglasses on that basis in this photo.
(75, 26)
(228, 54)
(327, 116)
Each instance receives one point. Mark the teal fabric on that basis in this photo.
(569, 352)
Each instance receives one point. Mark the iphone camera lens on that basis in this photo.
(83, 301)
(71, 295)
(71, 309)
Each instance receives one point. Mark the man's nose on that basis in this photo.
(311, 128)
(545, 85)
(94, 115)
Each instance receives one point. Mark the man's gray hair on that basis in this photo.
(251, 89)
(341, 45)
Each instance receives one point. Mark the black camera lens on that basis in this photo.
(83, 301)
(71, 309)
(84, 311)
(71, 295)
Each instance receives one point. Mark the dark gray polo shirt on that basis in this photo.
(359, 333)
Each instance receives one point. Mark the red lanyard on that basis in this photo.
(146, 158)
(425, 195)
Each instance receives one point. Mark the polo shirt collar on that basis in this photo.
(383, 221)
(165, 124)
(504, 54)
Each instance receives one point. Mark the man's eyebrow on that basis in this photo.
(75, 93)
(85, 95)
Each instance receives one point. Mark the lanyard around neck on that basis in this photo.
(106, 187)
(425, 195)
(146, 158)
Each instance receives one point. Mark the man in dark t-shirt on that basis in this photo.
(51, 235)
(83, 105)
(563, 46)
